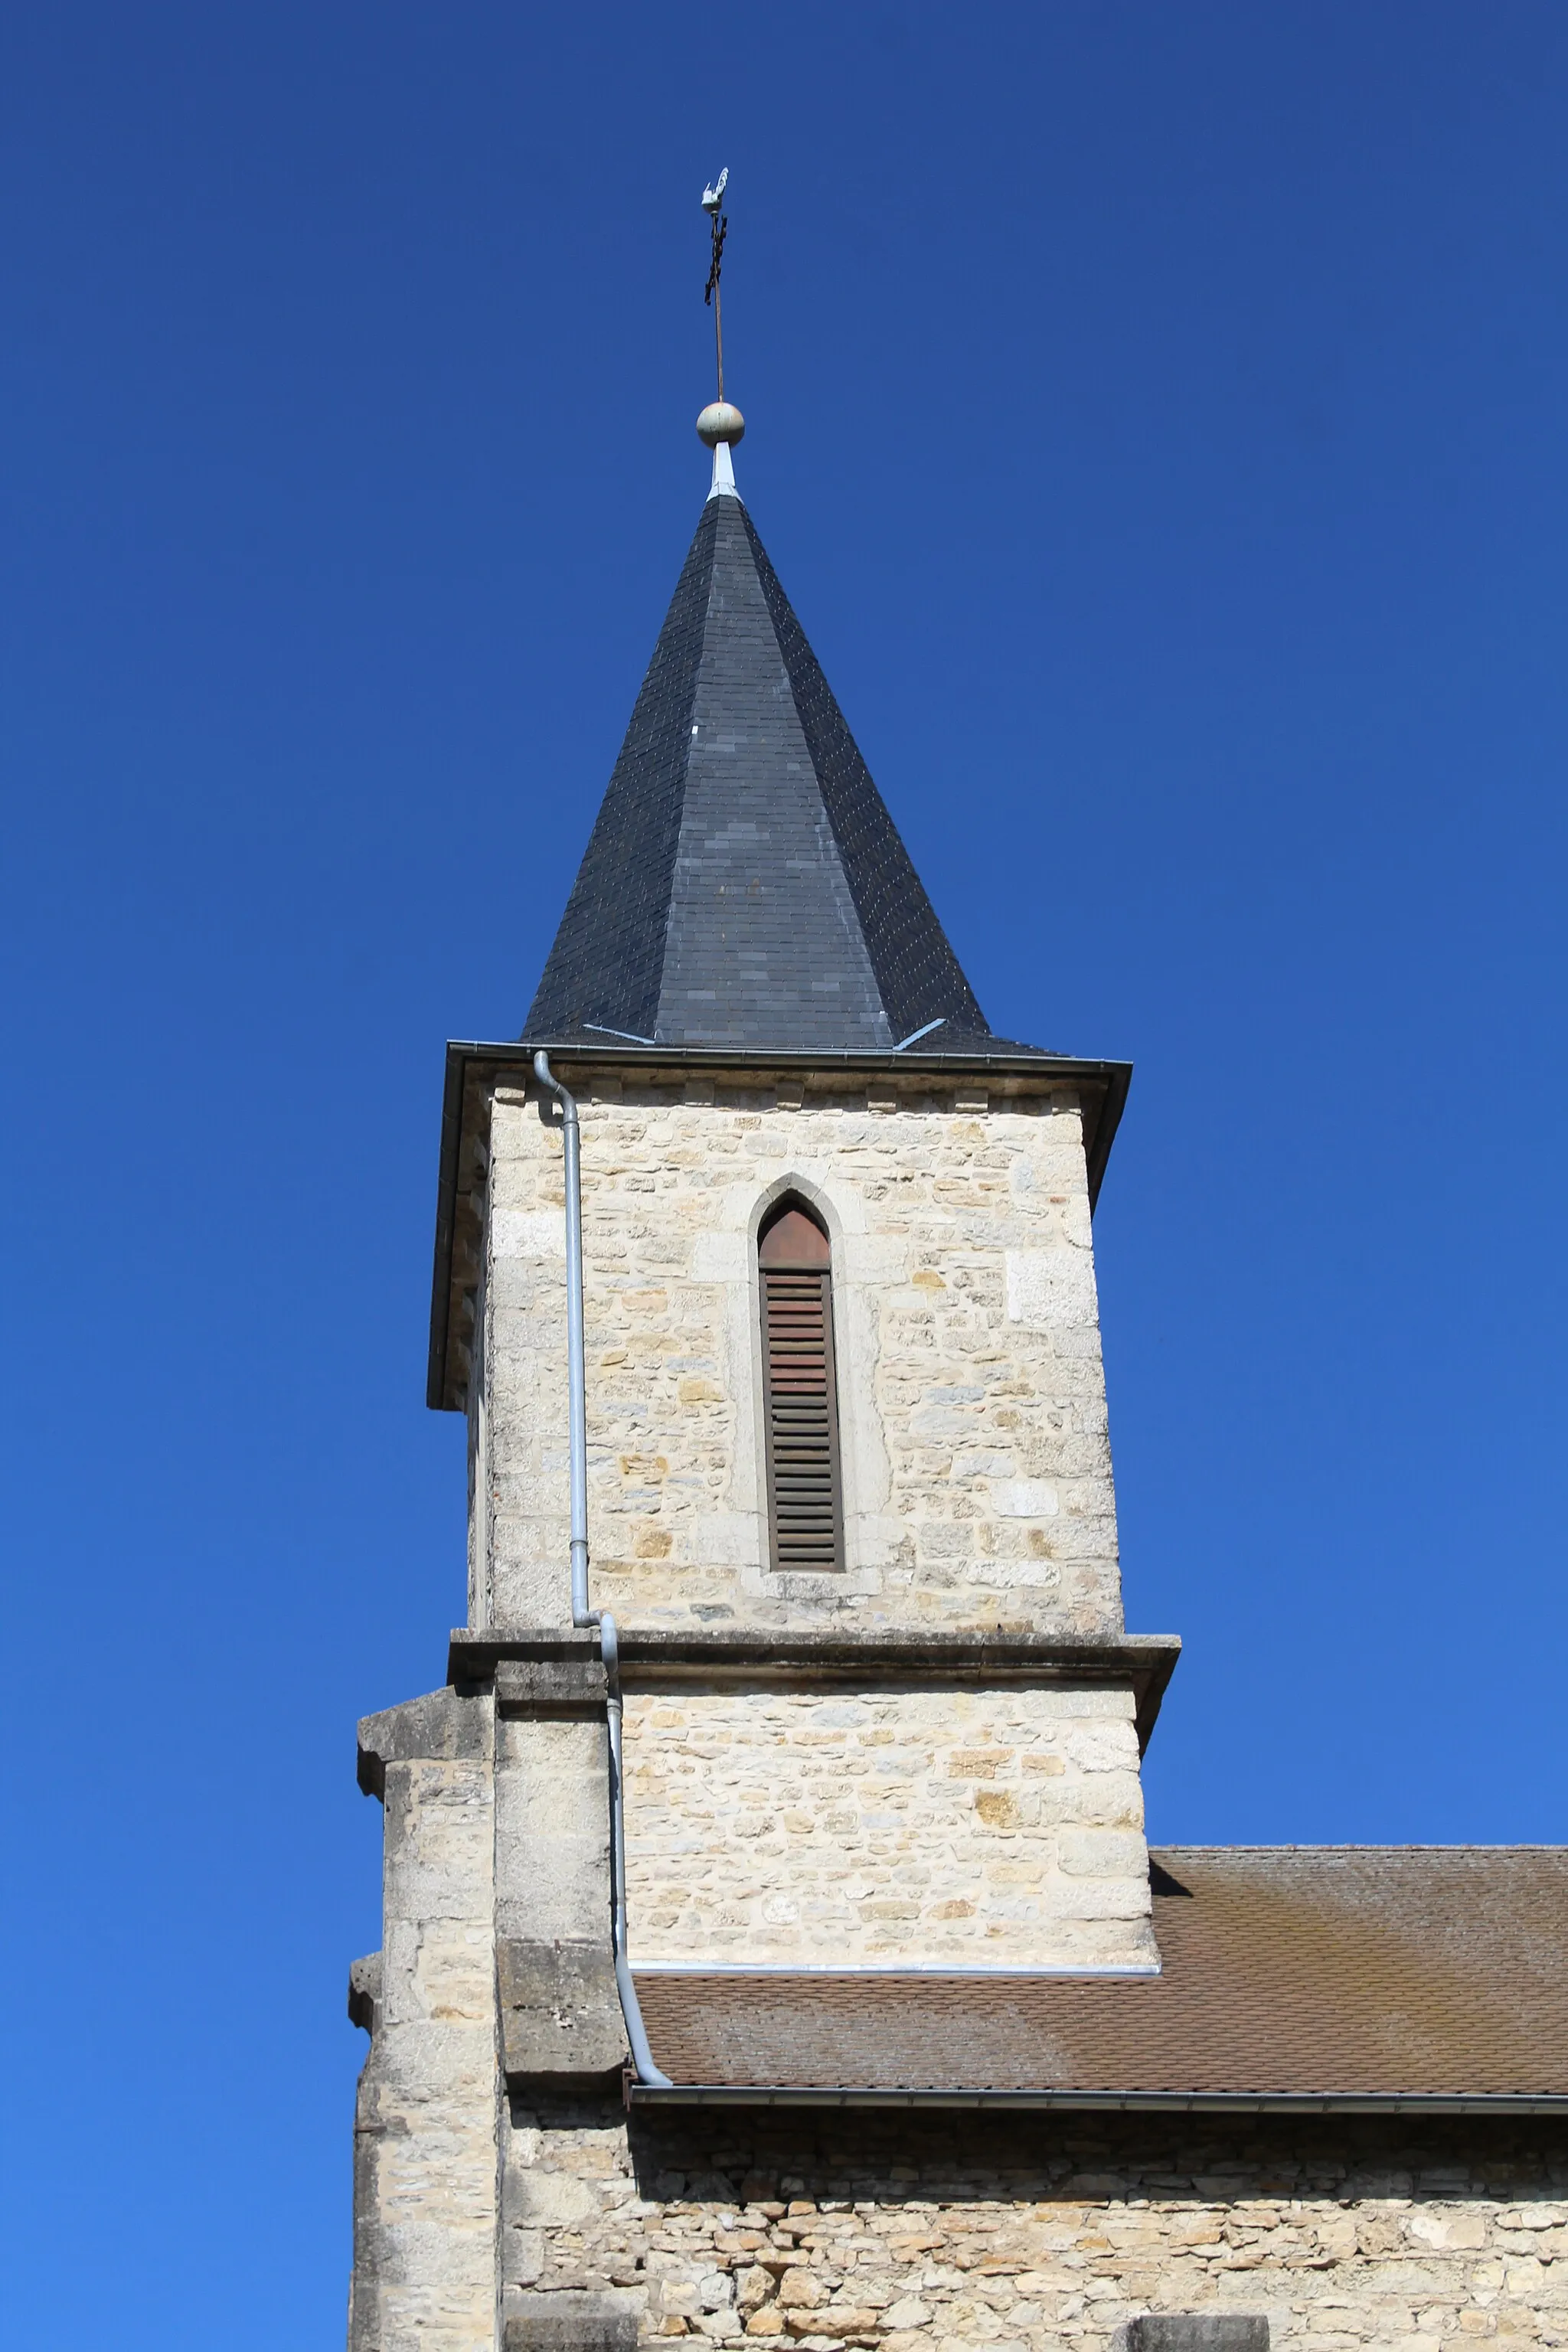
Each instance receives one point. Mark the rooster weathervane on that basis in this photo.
(719, 220)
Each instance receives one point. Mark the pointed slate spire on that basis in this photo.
(745, 884)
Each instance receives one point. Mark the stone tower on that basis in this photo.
(811, 1790)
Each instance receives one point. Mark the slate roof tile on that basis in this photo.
(745, 884)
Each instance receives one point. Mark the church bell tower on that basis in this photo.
(795, 1692)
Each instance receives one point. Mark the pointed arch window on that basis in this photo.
(805, 1512)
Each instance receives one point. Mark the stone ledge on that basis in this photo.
(570, 1687)
(1195, 2331)
(442, 1727)
(365, 1993)
(561, 2012)
(763, 1656)
(565, 2322)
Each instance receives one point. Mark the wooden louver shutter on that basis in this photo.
(804, 1511)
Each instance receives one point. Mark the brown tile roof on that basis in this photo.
(1412, 1971)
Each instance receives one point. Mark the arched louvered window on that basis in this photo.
(806, 1517)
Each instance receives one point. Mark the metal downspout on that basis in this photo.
(582, 1617)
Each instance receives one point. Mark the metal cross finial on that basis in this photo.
(719, 220)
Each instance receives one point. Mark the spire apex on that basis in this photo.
(721, 425)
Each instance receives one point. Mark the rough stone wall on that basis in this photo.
(968, 1828)
(996, 2234)
(975, 1458)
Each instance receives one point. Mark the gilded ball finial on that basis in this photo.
(720, 421)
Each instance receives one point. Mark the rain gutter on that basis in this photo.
(1186, 2103)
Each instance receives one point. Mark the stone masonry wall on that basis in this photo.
(964, 1828)
(948, 2233)
(975, 1458)
(425, 2215)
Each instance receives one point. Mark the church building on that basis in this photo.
(771, 1952)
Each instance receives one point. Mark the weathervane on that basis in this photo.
(721, 425)
(719, 220)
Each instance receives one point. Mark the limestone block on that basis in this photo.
(364, 1992)
(572, 2323)
(1195, 2332)
(1101, 1854)
(529, 1233)
(560, 2013)
(1023, 1499)
(443, 1724)
(553, 1831)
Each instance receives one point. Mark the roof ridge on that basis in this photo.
(1428, 1845)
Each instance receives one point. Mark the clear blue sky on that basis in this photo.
(1157, 417)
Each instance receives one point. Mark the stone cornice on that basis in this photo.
(549, 1669)
(476, 1068)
